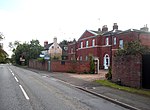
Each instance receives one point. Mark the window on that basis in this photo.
(65, 48)
(115, 41)
(87, 43)
(107, 41)
(80, 58)
(71, 50)
(121, 44)
(93, 42)
(81, 45)
(86, 58)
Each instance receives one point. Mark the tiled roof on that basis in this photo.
(47, 46)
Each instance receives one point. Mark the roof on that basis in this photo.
(112, 32)
(134, 30)
(47, 46)
(97, 32)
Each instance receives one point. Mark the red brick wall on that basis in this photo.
(128, 70)
(57, 66)
(70, 66)
(145, 39)
(86, 34)
(38, 65)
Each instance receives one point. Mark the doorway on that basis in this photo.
(106, 61)
(146, 71)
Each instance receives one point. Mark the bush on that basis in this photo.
(92, 65)
(108, 76)
(40, 59)
(133, 48)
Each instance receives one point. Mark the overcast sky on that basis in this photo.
(24, 20)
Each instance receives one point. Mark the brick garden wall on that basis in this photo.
(128, 69)
(61, 66)
(38, 65)
(69, 66)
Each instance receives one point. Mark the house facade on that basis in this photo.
(102, 44)
(53, 49)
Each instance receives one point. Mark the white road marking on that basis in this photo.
(25, 94)
(12, 73)
(16, 79)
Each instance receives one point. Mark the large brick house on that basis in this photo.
(102, 44)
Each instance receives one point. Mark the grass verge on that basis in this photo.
(124, 88)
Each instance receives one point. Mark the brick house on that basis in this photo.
(102, 44)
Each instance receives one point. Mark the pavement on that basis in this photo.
(86, 83)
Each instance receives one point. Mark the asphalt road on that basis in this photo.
(21, 89)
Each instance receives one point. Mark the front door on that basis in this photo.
(106, 61)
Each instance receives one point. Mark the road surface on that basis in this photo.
(21, 89)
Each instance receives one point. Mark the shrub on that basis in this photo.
(92, 65)
(133, 48)
(108, 76)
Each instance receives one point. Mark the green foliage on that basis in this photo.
(64, 42)
(29, 51)
(40, 59)
(3, 56)
(109, 74)
(55, 58)
(128, 89)
(92, 65)
(133, 48)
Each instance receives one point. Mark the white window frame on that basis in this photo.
(93, 42)
(80, 58)
(87, 43)
(121, 43)
(115, 40)
(71, 50)
(86, 58)
(107, 41)
(81, 45)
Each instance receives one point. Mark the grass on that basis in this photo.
(124, 88)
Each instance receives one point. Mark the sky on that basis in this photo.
(24, 20)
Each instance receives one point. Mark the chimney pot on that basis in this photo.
(115, 26)
(45, 43)
(104, 28)
(55, 39)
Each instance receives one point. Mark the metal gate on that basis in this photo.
(146, 71)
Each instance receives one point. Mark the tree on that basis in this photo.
(64, 42)
(92, 65)
(26, 51)
(133, 48)
(3, 54)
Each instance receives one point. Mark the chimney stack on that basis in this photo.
(145, 28)
(104, 28)
(45, 43)
(115, 26)
(99, 29)
(55, 40)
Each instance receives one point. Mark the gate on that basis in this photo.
(146, 71)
